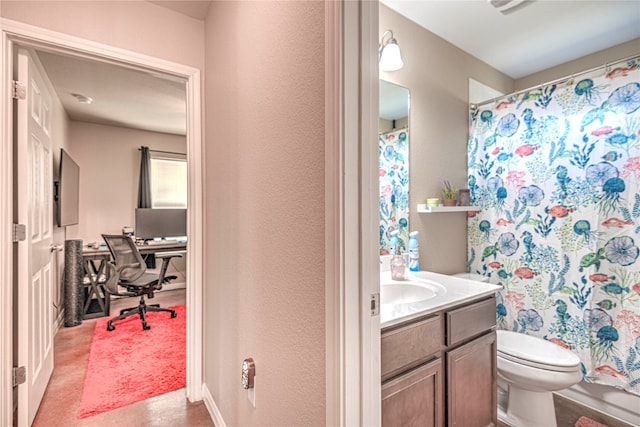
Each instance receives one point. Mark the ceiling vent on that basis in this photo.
(508, 6)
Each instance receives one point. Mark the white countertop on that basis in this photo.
(450, 291)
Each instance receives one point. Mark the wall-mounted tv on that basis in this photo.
(68, 191)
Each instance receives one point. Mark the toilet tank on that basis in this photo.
(472, 276)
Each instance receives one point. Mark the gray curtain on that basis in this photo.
(144, 184)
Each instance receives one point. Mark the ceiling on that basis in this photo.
(121, 96)
(535, 36)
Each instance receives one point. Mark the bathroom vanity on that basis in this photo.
(438, 351)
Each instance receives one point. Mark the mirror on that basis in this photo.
(393, 154)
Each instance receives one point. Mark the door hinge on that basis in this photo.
(19, 375)
(18, 233)
(375, 304)
(19, 90)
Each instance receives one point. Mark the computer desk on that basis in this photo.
(96, 301)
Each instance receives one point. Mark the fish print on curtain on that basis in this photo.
(393, 152)
(556, 174)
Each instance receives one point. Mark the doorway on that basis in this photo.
(15, 34)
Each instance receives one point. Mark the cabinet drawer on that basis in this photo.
(415, 398)
(469, 321)
(408, 346)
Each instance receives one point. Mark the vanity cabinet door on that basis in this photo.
(471, 383)
(415, 398)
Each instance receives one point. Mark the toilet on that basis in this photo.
(472, 276)
(529, 370)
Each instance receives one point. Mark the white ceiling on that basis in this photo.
(121, 96)
(539, 35)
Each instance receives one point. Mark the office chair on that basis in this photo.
(128, 270)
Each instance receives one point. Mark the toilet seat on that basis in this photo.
(535, 352)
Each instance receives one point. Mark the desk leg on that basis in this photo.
(96, 290)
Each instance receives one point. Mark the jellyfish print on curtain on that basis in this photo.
(393, 209)
(556, 173)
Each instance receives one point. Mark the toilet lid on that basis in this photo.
(537, 352)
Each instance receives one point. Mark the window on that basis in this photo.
(168, 181)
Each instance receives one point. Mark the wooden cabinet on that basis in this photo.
(441, 369)
(414, 398)
(471, 383)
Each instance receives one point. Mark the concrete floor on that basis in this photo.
(59, 406)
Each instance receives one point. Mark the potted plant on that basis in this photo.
(449, 194)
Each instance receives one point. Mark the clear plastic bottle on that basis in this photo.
(414, 252)
(397, 264)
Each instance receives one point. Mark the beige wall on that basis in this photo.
(109, 163)
(61, 139)
(607, 56)
(437, 76)
(264, 293)
(135, 25)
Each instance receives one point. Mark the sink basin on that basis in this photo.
(412, 291)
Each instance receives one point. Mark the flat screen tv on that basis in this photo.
(160, 223)
(68, 191)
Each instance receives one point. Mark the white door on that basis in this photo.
(34, 200)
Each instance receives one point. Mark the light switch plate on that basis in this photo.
(248, 373)
(251, 394)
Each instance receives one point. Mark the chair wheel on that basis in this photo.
(146, 327)
(110, 327)
(174, 314)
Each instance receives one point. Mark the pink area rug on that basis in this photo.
(129, 364)
(587, 422)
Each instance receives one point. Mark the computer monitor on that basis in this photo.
(160, 223)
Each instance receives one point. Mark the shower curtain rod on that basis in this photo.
(556, 81)
(164, 152)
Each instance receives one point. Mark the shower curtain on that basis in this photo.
(393, 152)
(555, 172)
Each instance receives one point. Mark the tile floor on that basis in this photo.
(62, 397)
(568, 412)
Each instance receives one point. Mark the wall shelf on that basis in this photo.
(423, 208)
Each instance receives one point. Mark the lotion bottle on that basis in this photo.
(397, 264)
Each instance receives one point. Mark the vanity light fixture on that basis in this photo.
(389, 56)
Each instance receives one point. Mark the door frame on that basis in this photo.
(14, 33)
(353, 382)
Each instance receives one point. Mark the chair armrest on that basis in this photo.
(166, 258)
(163, 255)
